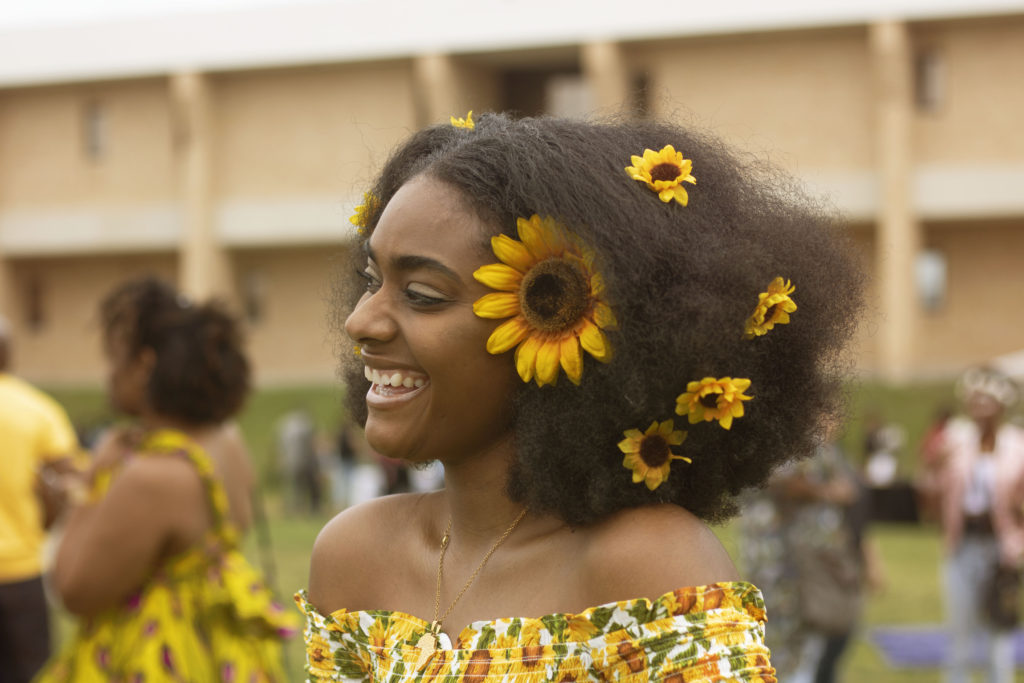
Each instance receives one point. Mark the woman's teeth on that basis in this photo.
(392, 379)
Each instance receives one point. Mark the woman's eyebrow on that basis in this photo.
(409, 262)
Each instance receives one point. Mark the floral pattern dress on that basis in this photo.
(204, 615)
(702, 634)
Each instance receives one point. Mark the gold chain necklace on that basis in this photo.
(427, 644)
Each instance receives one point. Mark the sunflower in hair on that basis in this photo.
(664, 172)
(773, 308)
(361, 218)
(464, 122)
(713, 399)
(649, 453)
(547, 285)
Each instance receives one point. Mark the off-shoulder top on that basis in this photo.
(698, 634)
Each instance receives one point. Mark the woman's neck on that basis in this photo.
(475, 498)
(154, 421)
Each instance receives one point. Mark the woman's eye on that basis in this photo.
(372, 281)
(424, 296)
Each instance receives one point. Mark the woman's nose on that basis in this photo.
(371, 320)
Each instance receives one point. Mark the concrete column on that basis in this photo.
(898, 236)
(436, 86)
(605, 70)
(204, 269)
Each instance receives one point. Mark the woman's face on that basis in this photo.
(983, 407)
(128, 378)
(436, 392)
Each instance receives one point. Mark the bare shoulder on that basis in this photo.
(649, 551)
(359, 548)
(167, 489)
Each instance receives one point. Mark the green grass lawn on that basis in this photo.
(911, 553)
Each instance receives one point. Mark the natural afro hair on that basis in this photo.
(201, 374)
(682, 281)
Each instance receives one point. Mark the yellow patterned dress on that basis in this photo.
(703, 634)
(204, 615)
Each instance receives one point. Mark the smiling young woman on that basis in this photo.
(602, 360)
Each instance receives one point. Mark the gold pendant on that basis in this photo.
(427, 645)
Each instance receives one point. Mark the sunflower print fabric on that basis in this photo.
(204, 615)
(701, 635)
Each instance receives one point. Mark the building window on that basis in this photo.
(94, 131)
(35, 310)
(568, 96)
(254, 295)
(931, 275)
(929, 80)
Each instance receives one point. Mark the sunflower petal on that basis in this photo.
(531, 232)
(680, 195)
(666, 195)
(628, 445)
(594, 342)
(604, 317)
(512, 252)
(526, 357)
(499, 276)
(507, 335)
(497, 305)
(547, 362)
(571, 358)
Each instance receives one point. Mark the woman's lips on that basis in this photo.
(392, 386)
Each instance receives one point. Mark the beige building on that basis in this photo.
(233, 170)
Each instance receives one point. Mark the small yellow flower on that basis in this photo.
(548, 287)
(773, 308)
(713, 399)
(663, 171)
(649, 454)
(464, 123)
(370, 206)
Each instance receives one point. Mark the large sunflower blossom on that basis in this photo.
(663, 171)
(464, 123)
(361, 217)
(649, 454)
(549, 288)
(773, 308)
(713, 399)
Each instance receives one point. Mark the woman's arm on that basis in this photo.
(154, 505)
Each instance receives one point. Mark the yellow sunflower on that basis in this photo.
(663, 171)
(361, 217)
(773, 308)
(714, 399)
(549, 288)
(649, 454)
(464, 123)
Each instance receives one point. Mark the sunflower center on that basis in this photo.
(665, 171)
(769, 312)
(654, 450)
(554, 295)
(709, 400)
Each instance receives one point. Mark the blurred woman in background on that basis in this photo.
(983, 492)
(149, 561)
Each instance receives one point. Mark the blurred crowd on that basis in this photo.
(322, 470)
(805, 538)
